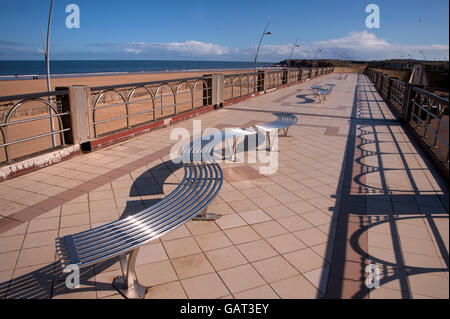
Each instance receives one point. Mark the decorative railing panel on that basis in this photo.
(426, 113)
(31, 124)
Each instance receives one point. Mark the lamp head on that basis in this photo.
(268, 32)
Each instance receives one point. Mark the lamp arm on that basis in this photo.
(259, 45)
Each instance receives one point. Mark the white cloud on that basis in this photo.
(189, 48)
(356, 41)
(197, 48)
(130, 50)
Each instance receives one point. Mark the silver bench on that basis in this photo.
(320, 93)
(283, 122)
(200, 185)
(196, 150)
(330, 86)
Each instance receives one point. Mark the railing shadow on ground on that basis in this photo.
(49, 281)
(355, 218)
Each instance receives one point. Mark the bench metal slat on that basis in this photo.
(108, 227)
(180, 219)
(127, 223)
(71, 249)
(156, 228)
(169, 227)
(152, 223)
(144, 219)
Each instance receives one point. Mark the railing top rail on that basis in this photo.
(239, 74)
(32, 95)
(440, 99)
(118, 86)
(397, 81)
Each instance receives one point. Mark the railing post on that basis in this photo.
(260, 81)
(263, 80)
(406, 107)
(207, 92)
(80, 114)
(389, 91)
(300, 74)
(381, 83)
(63, 104)
(217, 90)
(284, 78)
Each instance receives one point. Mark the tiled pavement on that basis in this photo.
(351, 189)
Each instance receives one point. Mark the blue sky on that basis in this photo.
(226, 30)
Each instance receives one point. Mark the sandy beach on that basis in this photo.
(13, 87)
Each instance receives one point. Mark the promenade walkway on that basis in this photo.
(352, 189)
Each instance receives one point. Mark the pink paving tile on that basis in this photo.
(255, 216)
(241, 278)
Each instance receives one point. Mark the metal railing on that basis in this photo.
(275, 79)
(397, 94)
(241, 85)
(429, 121)
(31, 118)
(426, 113)
(124, 106)
(238, 85)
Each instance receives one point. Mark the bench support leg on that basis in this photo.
(231, 149)
(234, 149)
(285, 130)
(127, 284)
(270, 147)
(268, 141)
(204, 215)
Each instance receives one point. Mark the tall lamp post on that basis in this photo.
(290, 56)
(46, 48)
(265, 32)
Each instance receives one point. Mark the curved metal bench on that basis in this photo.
(284, 121)
(200, 185)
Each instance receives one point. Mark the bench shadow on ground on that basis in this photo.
(49, 280)
(306, 99)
